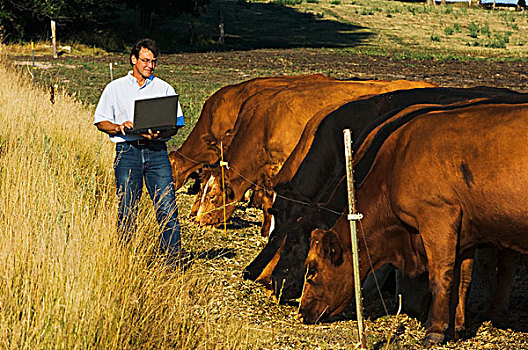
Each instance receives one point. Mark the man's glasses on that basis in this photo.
(148, 61)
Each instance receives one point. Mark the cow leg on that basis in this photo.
(265, 276)
(267, 218)
(466, 273)
(441, 280)
(263, 259)
(255, 200)
(507, 263)
(438, 229)
(486, 271)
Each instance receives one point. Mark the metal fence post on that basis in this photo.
(353, 216)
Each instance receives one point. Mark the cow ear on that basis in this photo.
(210, 140)
(227, 138)
(172, 156)
(230, 194)
(333, 249)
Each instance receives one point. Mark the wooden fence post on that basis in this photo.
(54, 38)
(221, 32)
(33, 67)
(353, 216)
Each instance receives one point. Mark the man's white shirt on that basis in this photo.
(116, 104)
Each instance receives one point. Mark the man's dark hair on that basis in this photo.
(143, 43)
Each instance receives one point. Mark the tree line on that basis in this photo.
(23, 20)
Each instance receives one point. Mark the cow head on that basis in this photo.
(288, 276)
(328, 286)
(176, 162)
(203, 175)
(210, 211)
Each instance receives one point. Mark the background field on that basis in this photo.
(77, 288)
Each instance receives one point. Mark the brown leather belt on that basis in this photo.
(143, 142)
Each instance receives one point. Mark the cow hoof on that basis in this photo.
(433, 339)
(460, 329)
(459, 333)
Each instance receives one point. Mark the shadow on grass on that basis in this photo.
(214, 253)
(477, 318)
(236, 223)
(251, 26)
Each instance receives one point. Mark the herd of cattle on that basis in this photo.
(439, 173)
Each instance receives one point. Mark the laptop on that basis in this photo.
(156, 114)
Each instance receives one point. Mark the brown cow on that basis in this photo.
(268, 129)
(441, 185)
(218, 115)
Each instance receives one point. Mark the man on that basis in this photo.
(141, 156)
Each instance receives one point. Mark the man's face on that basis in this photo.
(144, 64)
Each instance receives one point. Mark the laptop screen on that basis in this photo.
(155, 113)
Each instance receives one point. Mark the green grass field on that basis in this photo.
(410, 29)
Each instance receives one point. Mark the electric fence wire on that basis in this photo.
(307, 204)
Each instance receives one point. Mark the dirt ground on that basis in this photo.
(512, 75)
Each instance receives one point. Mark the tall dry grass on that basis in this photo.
(65, 281)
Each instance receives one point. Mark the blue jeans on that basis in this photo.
(150, 161)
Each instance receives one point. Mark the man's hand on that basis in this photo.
(160, 134)
(124, 126)
(114, 129)
(151, 135)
